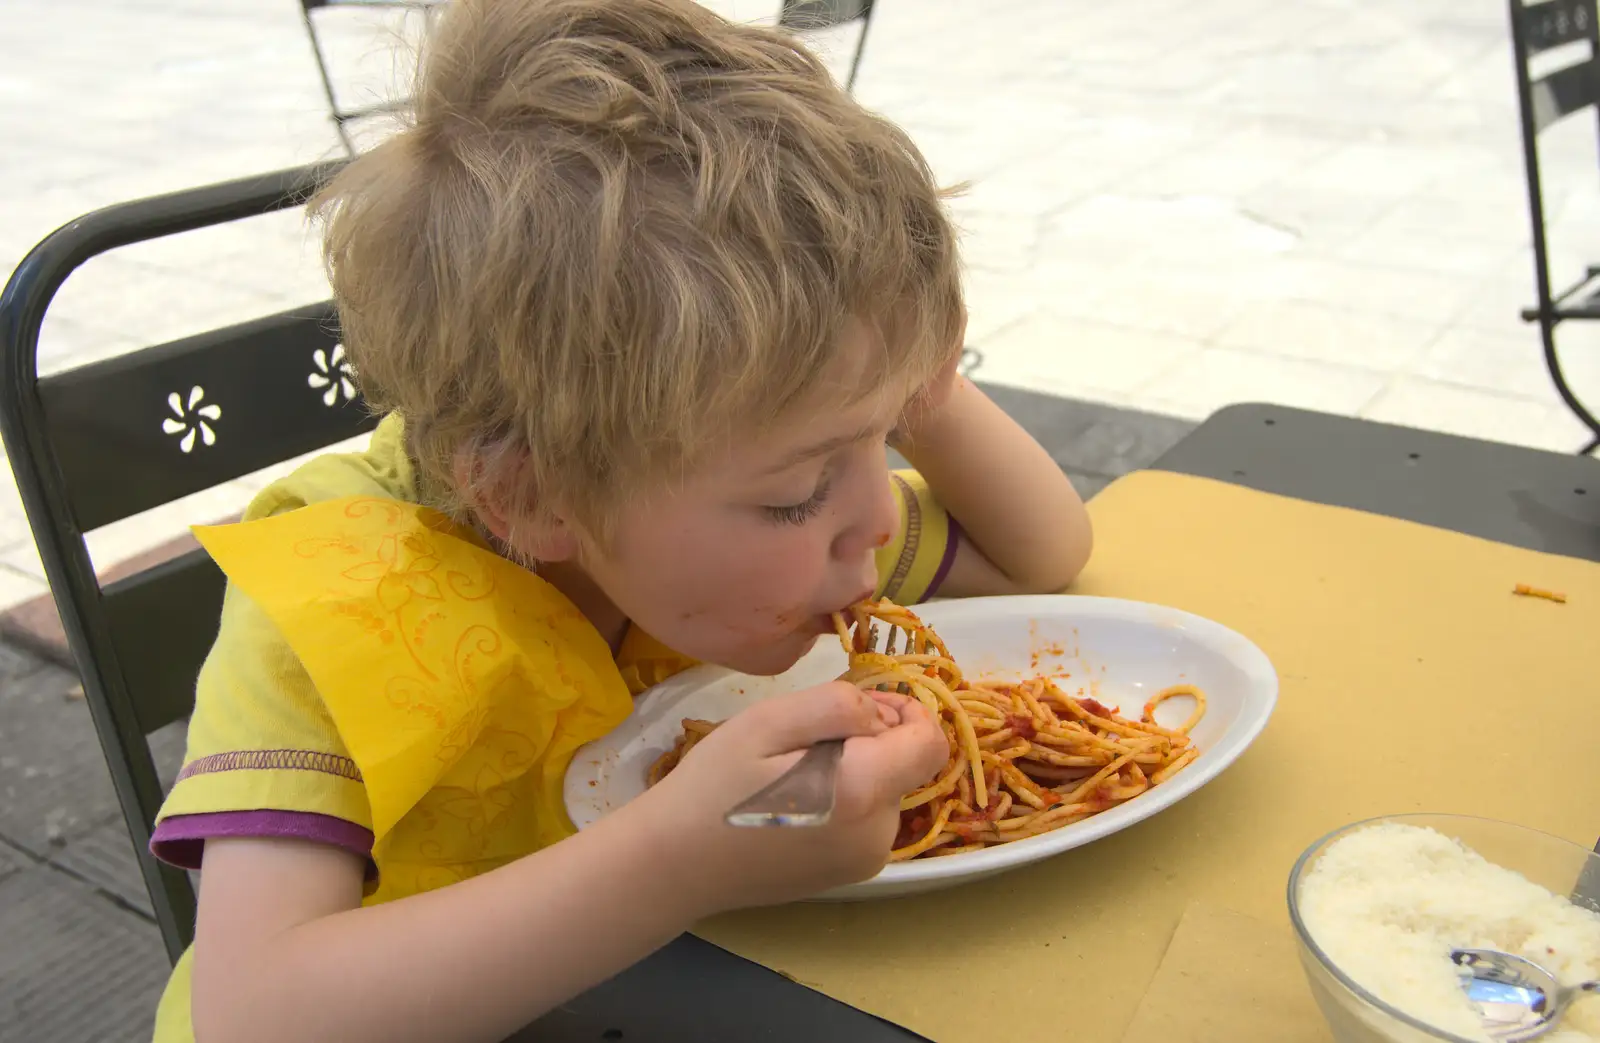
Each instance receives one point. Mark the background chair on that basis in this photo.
(797, 15)
(804, 16)
(106, 441)
(344, 117)
(1544, 99)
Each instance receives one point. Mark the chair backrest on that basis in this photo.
(801, 15)
(103, 442)
(804, 16)
(1549, 90)
(1539, 27)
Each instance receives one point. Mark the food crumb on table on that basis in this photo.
(1524, 590)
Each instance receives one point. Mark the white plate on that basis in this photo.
(1120, 652)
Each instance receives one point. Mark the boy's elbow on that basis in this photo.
(1060, 570)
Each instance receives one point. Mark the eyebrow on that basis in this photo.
(823, 448)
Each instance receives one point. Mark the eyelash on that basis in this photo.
(800, 513)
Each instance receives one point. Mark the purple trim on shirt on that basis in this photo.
(952, 541)
(180, 840)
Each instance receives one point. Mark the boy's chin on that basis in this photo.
(771, 659)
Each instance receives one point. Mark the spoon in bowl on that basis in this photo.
(1517, 999)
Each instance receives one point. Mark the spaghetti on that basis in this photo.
(1025, 757)
(1525, 591)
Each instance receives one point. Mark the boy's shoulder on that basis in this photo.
(383, 469)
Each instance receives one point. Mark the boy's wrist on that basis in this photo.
(679, 879)
(926, 427)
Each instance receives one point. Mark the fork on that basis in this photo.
(803, 796)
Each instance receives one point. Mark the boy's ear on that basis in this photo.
(530, 533)
(542, 537)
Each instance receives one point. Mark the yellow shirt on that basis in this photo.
(384, 682)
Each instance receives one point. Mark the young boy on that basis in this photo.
(644, 295)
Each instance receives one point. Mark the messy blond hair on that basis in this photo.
(616, 232)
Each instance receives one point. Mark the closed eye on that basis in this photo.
(800, 513)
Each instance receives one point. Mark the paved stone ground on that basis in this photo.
(80, 957)
(1173, 206)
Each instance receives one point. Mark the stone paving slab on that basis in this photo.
(54, 785)
(103, 858)
(74, 966)
(12, 859)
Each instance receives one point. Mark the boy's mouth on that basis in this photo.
(823, 623)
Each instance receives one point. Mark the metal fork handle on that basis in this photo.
(802, 796)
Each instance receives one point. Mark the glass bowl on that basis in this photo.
(1357, 1016)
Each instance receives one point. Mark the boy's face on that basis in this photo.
(743, 564)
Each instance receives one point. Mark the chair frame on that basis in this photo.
(342, 117)
(809, 15)
(798, 15)
(89, 611)
(1535, 29)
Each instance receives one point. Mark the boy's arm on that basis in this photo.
(284, 950)
(1024, 528)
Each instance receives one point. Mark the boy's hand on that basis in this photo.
(929, 400)
(893, 747)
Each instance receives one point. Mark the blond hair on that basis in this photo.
(615, 232)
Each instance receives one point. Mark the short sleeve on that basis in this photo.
(264, 758)
(915, 562)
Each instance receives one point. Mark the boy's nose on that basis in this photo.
(875, 521)
(885, 519)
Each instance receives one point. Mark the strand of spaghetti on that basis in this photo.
(891, 679)
(963, 795)
(1069, 760)
(1044, 821)
(928, 840)
(1077, 735)
(1174, 692)
(1025, 788)
(942, 786)
(1121, 726)
(1177, 765)
(843, 629)
(1030, 699)
(1137, 783)
(1527, 591)
(940, 852)
(1002, 807)
(1057, 774)
(964, 728)
(992, 718)
(1088, 785)
(996, 740)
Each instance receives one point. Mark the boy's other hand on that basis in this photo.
(929, 400)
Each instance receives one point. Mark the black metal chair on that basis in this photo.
(343, 117)
(797, 15)
(106, 441)
(804, 16)
(1543, 100)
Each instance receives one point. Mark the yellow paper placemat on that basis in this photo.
(1226, 977)
(1412, 680)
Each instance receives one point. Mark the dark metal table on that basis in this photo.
(1541, 501)
(693, 992)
